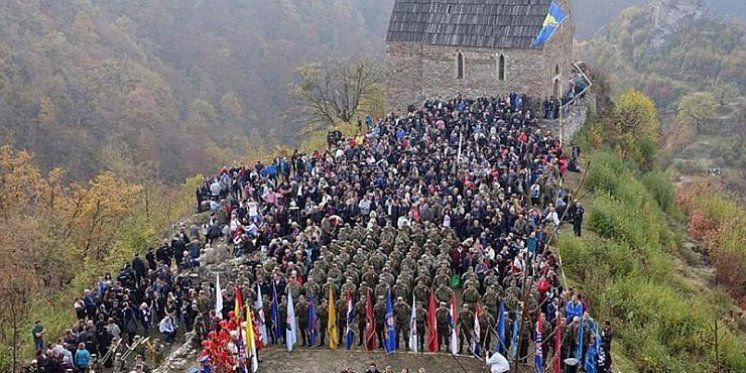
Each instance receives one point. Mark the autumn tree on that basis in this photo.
(634, 125)
(696, 110)
(334, 90)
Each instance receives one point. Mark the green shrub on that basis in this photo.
(658, 184)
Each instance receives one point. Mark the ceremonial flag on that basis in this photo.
(538, 358)
(501, 329)
(389, 343)
(331, 325)
(475, 346)
(557, 360)
(514, 338)
(452, 321)
(413, 328)
(218, 297)
(590, 357)
(237, 308)
(312, 320)
(259, 305)
(291, 332)
(579, 347)
(274, 314)
(432, 326)
(370, 324)
(250, 340)
(554, 19)
(349, 334)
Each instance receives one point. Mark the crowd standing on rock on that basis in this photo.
(448, 209)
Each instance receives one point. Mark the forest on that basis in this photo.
(162, 90)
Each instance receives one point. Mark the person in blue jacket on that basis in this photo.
(82, 358)
(574, 309)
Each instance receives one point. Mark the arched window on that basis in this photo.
(556, 70)
(501, 68)
(460, 66)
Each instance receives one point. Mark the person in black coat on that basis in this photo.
(138, 266)
(577, 221)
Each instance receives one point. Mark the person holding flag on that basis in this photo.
(413, 345)
(432, 325)
(452, 321)
(501, 347)
(538, 354)
(251, 349)
(349, 333)
(291, 332)
(475, 344)
(218, 297)
(311, 321)
(237, 311)
(332, 323)
(390, 335)
(514, 337)
(261, 323)
(370, 324)
(274, 315)
(557, 358)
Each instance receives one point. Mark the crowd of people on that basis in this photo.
(454, 202)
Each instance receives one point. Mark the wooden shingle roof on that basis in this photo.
(468, 23)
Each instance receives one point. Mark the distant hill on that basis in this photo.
(163, 88)
(592, 15)
(670, 49)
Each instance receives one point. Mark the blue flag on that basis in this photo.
(274, 315)
(514, 338)
(312, 321)
(390, 342)
(349, 334)
(579, 348)
(554, 19)
(501, 329)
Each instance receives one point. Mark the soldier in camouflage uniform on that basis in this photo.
(402, 312)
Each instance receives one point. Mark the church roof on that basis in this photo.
(468, 23)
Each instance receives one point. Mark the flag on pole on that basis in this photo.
(413, 327)
(332, 323)
(475, 344)
(514, 338)
(538, 357)
(349, 334)
(501, 329)
(452, 321)
(291, 332)
(218, 297)
(389, 342)
(237, 309)
(370, 324)
(556, 359)
(250, 340)
(312, 320)
(262, 323)
(432, 325)
(274, 314)
(554, 19)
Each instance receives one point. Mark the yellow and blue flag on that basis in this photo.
(554, 19)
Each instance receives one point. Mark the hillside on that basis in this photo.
(163, 89)
(593, 16)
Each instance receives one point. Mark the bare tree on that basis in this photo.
(334, 90)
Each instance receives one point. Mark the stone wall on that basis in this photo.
(415, 72)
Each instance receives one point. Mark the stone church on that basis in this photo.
(438, 48)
